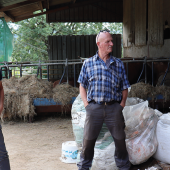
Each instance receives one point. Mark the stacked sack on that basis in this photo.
(104, 148)
(140, 129)
(163, 136)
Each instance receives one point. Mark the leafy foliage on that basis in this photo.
(31, 36)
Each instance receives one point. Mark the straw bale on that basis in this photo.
(163, 90)
(20, 92)
(63, 93)
(143, 91)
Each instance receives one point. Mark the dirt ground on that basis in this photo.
(37, 145)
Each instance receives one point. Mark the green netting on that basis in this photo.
(6, 41)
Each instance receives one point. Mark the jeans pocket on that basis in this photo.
(87, 106)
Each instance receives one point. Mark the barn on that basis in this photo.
(146, 34)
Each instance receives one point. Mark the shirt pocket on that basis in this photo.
(116, 80)
(95, 76)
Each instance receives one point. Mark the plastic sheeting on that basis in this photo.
(140, 128)
(104, 147)
(163, 137)
(6, 41)
(140, 123)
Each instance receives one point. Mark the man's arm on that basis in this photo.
(1, 97)
(124, 97)
(83, 95)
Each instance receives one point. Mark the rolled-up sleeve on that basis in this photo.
(83, 76)
(125, 83)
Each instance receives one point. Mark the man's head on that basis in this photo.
(104, 42)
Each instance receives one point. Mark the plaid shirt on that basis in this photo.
(103, 84)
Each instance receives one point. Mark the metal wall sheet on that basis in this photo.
(140, 22)
(73, 47)
(155, 22)
(107, 11)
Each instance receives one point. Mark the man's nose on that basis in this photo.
(111, 43)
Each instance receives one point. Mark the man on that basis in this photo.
(4, 160)
(104, 77)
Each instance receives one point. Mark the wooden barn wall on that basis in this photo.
(128, 22)
(166, 11)
(155, 22)
(71, 47)
(103, 11)
(148, 18)
(140, 22)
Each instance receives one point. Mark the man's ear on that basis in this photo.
(98, 44)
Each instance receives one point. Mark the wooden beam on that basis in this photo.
(48, 4)
(88, 2)
(17, 5)
(42, 13)
(104, 9)
(10, 16)
(40, 5)
(19, 18)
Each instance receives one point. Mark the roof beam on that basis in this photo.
(104, 9)
(17, 5)
(40, 5)
(48, 4)
(10, 16)
(35, 15)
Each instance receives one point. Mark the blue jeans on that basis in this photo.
(4, 159)
(112, 116)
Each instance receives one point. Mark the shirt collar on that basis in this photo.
(112, 59)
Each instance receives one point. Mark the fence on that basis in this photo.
(73, 47)
(67, 63)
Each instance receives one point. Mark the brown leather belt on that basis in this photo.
(105, 103)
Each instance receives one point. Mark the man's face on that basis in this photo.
(105, 43)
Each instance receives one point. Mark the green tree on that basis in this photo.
(31, 42)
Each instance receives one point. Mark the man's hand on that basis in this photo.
(122, 104)
(124, 97)
(85, 104)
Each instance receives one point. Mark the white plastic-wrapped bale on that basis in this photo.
(104, 147)
(140, 129)
(163, 136)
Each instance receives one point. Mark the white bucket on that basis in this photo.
(69, 152)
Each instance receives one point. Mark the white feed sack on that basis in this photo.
(140, 128)
(140, 123)
(104, 148)
(163, 136)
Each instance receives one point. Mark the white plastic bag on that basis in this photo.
(104, 159)
(165, 116)
(140, 123)
(104, 147)
(163, 137)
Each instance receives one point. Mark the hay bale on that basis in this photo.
(19, 94)
(143, 91)
(63, 93)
